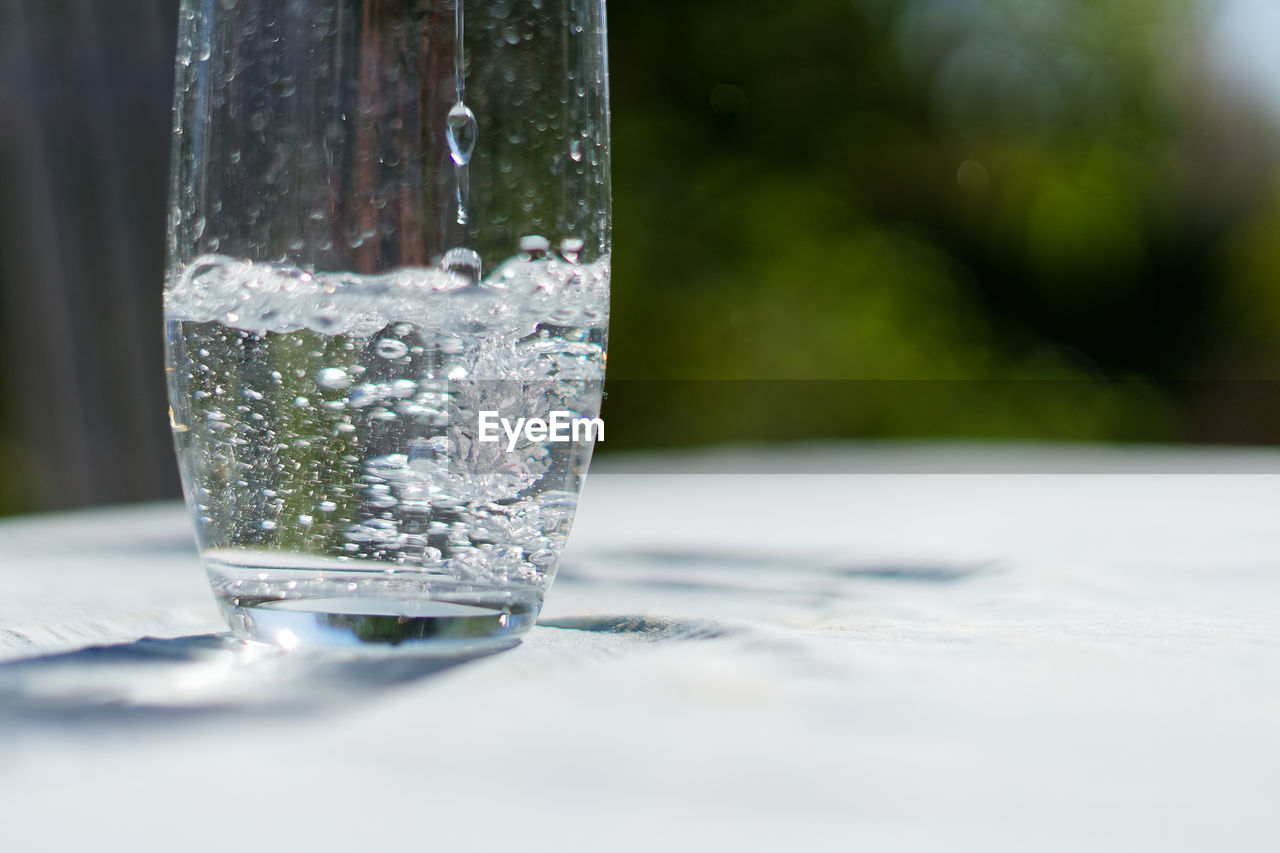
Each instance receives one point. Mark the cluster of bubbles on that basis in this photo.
(341, 410)
(531, 288)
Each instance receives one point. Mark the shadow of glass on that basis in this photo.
(187, 678)
(820, 577)
(647, 628)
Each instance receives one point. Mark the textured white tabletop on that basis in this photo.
(940, 648)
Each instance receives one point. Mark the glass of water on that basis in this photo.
(386, 304)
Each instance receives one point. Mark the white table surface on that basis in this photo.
(937, 648)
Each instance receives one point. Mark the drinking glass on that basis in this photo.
(390, 220)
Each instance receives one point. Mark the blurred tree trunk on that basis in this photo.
(85, 91)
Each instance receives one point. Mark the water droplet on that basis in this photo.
(333, 378)
(327, 506)
(463, 179)
(390, 348)
(462, 133)
(575, 150)
(306, 520)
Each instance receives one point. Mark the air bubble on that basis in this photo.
(535, 245)
(463, 263)
(333, 378)
(571, 248)
(363, 395)
(402, 388)
(390, 348)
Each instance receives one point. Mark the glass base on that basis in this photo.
(307, 606)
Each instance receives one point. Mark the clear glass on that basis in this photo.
(387, 218)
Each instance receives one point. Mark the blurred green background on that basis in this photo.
(1033, 219)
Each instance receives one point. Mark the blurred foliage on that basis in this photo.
(936, 189)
